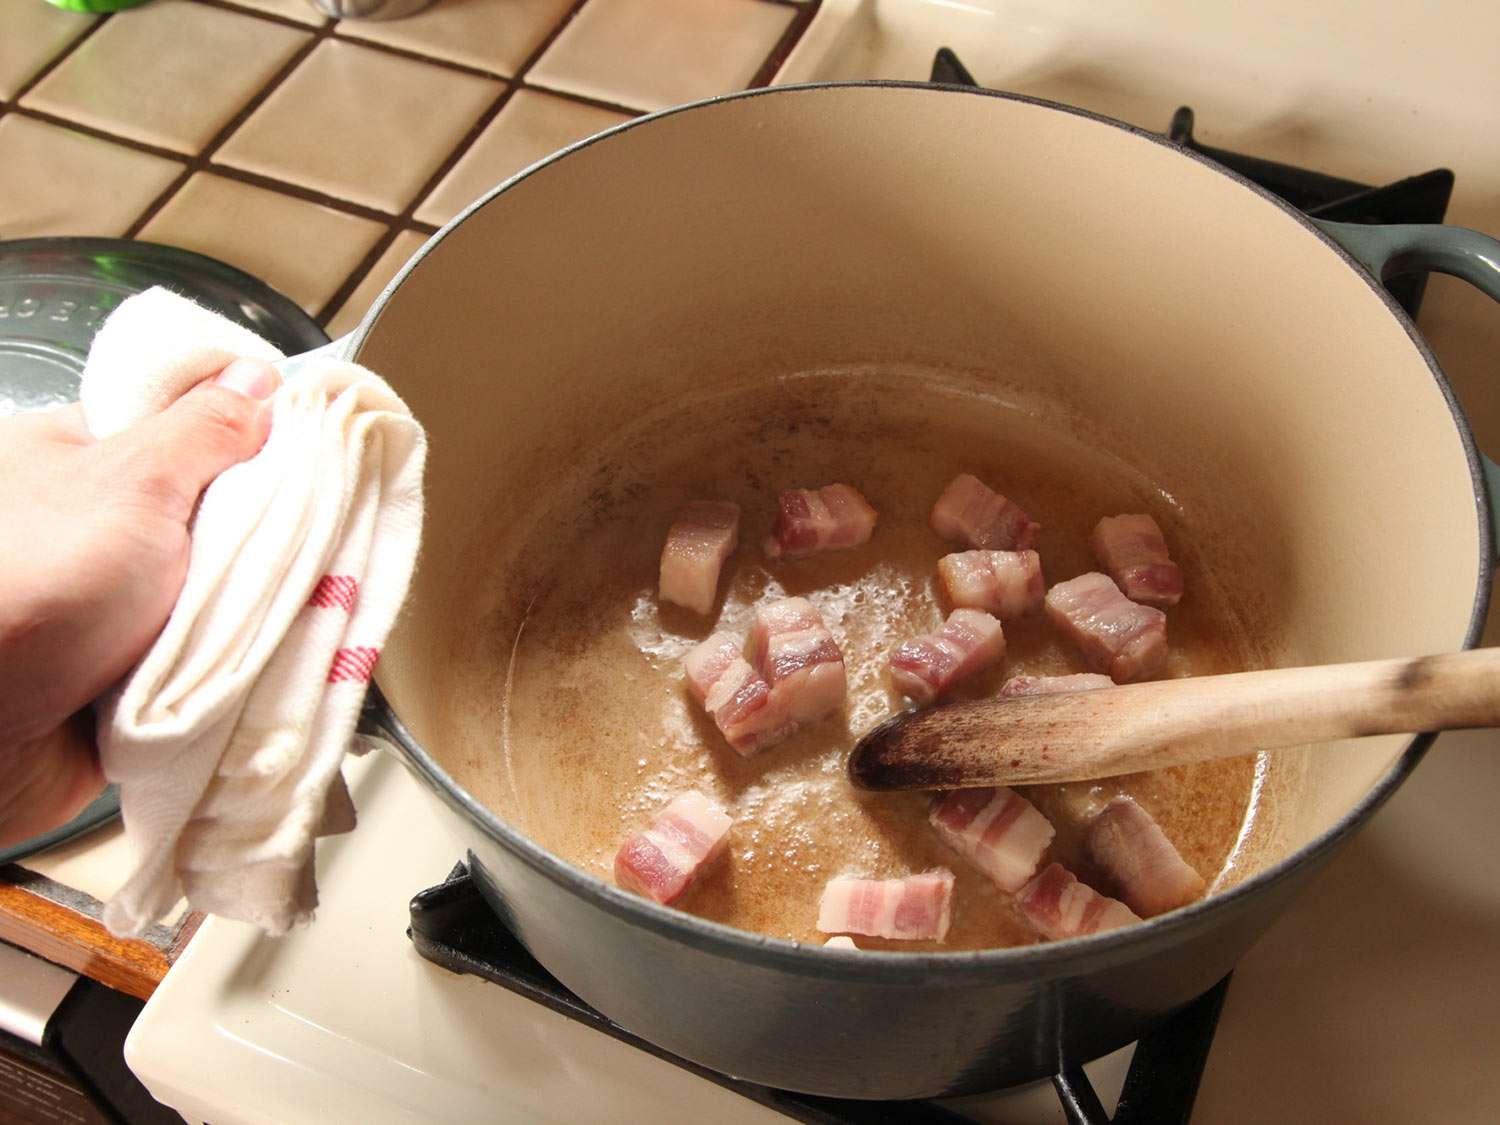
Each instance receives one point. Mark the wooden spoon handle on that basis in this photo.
(1035, 739)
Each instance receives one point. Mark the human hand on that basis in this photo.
(93, 552)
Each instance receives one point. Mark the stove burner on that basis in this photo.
(1415, 199)
(452, 926)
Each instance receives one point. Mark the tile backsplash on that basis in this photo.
(680, 50)
(34, 35)
(171, 75)
(317, 154)
(355, 123)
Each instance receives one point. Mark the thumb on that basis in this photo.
(222, 421)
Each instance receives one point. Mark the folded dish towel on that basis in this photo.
(226, 739)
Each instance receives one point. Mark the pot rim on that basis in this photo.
(1044, 960)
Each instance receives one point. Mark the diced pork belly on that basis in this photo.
(916, 908)
(798, 657)
(703, 534)
(969, 642)
(997, 830)
(1055, 685)
(811, 520)
(735, 695)
(1005, 583)
(974, 514)
(1117, 636)
(840, 941)
(1134, 553)
(1059, 906)
(662, 862)
(1128, 846)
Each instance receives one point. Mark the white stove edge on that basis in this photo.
(343, 1019)
(31, 991)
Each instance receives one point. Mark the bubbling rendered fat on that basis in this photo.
(598, 731)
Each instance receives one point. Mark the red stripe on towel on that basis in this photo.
(335, 590)
(353, 664)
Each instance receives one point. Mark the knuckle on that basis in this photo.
(213, 427)
(223, 420)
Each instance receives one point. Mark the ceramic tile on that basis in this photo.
(34, 34)
(649, 54)
(530, 126)
(493, 35)
(171, 73)
(56, 181)
(303, 11)
(302, 249)
(361, 125)
(385, 267)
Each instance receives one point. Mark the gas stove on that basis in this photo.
(1358, 1001)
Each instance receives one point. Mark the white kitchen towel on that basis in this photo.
(226, 739)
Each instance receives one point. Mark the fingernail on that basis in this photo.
(253, 378)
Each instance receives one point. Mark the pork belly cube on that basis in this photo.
(840, 941)
(974, 514)
(1006, 583)
(916, 908)
(703, 534)
(1054, 685)
(1117, 636)
(811, 520)
(1059, 906)
(997, 830)
(662, 862)
(1133, 552)
(969, 642)
(1127, 845)
(796, 654)
(735, 695)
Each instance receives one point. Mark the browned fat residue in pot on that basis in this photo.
(598, 731)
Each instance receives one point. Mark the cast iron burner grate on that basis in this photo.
(1415, 199)
(452, 926)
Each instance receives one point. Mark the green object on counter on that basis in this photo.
(95, 5)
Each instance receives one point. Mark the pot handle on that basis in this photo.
(340, 348)
(375, 716)
(1388, 251)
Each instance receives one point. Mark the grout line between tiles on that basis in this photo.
(334, 30)
(804, 9)
(57, 60)
(406, 219)
(273, 17)
(407, 53)
(309, 195)
(99, 134)
(584, 99)
(783, 48)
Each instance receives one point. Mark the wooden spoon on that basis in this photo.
(1027, 740)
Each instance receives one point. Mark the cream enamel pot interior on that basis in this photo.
(1208, 334)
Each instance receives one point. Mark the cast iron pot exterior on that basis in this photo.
(855, 1024)
(878, 1025)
